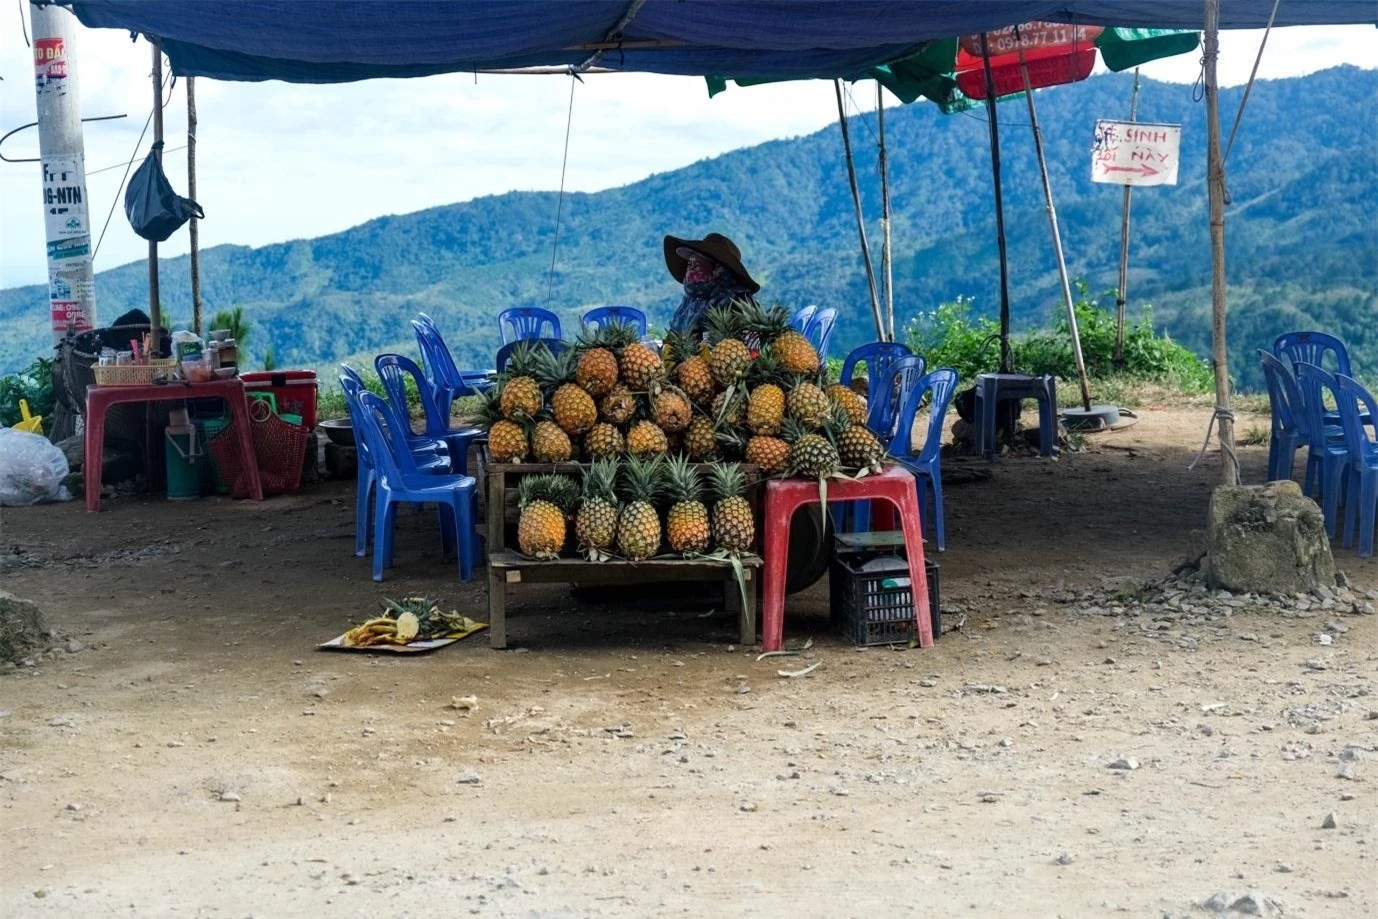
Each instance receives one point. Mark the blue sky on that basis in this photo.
(279, 161)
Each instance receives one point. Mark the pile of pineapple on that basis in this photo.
(754, 391)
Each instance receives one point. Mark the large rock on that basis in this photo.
(1267, 539)
(22, 628)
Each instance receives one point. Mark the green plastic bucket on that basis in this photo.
(212, 427)
(184, 455)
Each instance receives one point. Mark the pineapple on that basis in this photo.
(691, 372)
(808, 404)
(811, 454)
(765, 409)
(851, 401)
(641, 366)
(596, 370)
(604, 440)
(646, 439)
(730, 356)
(550, 444)
(734, 527)
(770, 453)
(729, 409)
(573, 408)
(792, 349)
(671, 410)
(544, 501)
(638, 529)
(595, 526)
(506, 439)
(858, 448)
(686, 523)
(701, 438)
(519, 393)
(619, 405)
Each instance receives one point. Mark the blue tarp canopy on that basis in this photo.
(329, 41)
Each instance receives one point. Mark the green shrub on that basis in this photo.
(35, 384)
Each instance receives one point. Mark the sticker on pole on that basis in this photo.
(1135, 153)
(50, 64)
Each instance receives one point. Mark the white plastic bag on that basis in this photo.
(31, 469)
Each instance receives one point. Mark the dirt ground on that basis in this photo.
(195, 756)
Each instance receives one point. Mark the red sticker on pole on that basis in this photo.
(49, 63)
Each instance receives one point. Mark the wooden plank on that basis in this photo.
(497, 523)
(497, 609)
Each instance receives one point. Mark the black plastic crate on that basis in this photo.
(877, 607)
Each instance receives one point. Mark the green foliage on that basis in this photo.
(270, 361)
(232, 319)
(35, 384)
(950, 336)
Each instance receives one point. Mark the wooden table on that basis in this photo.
(100, 398)
(506, 567)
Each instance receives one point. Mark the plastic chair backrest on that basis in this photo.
(392, 459)
(887, 394)
(352, 385)
(802, 317)
(1313, 383)
(600, 316)
(1311, 348)
(555, 345)
(941, 384)
(1283, 394)
(393, 370)
(1355, 401)
(819, 331)
(877, 356)
(526, 322)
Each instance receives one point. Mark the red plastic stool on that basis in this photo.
(783, 496)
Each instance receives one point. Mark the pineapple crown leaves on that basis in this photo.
(721, 323)
(552, 369)
(614, 336)
(523, 361)
(726, 480)
(643, 479)
(600, 480)
(682, 344)
(559, 490)
(765, 369)
(767, 322)
(791, 429)
(682, 480)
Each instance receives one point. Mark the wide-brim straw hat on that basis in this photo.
(715, 246)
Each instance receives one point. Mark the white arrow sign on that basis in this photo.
(1135, 153)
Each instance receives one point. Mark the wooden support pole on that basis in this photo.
(1121, 296)
(193, 228)
(1006, 355)
(1215, 183)
(860, 219)
(155, 309)
(887, 266)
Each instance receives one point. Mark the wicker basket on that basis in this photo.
(156, 370)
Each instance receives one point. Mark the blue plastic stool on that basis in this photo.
(994, 388)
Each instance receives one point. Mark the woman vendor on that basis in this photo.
(712, 274)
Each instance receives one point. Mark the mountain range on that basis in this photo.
(1302, 236)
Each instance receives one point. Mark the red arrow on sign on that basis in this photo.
(1144, 169)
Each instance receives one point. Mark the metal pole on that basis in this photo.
(155, 309)
(1215, 184)
(887, 268)
(1057, 239)
(860, 221)
(1121, 298)
(193, 227)
(1006, 355)
(62, 158)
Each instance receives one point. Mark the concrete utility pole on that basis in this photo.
(62, 156)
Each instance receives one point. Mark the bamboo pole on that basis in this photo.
(192, 228)
(1006, 355)
(1121, 297)
(1057, 239)
(155, 310)
(887, 265)
(1215, 183)
(860, 220)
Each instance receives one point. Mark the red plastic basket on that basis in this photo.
(295, 391)
(279, 449)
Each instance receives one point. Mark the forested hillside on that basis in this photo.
(1302, 236)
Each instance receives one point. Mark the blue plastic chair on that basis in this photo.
(802, 317)
(877, 356)
(600, 316)
(887, 395)
(366, 476)
(1284, 398)
(819, 331)
(1311, 348)
(939, 385)
(1327, 457)
(524, 322)
(505, 352)
(393, 370)
(1361, 505)
(448, 381)
(399, 480)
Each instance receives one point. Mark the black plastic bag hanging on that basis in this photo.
(154, 210)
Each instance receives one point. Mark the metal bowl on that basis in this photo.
(339, 431)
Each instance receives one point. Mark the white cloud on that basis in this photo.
(279, 161)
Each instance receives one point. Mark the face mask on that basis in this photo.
(698, 270)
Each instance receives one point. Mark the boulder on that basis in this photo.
(22, 628)
(1266, 539)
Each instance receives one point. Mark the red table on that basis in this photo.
(783, 496)
(100, 398)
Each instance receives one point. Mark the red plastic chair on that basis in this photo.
(784, 496)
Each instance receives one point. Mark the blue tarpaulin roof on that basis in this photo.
(327, 41)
